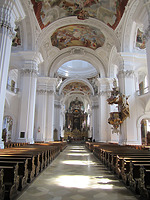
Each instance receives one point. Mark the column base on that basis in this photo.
(30, 141)
(49, 140)
(1, 145)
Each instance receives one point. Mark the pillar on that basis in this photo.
(50, 109)
(57, 117)
(103, 109)
(127, 85)
(7, 25)
(95, 119)
(28, 95)
(41, 109)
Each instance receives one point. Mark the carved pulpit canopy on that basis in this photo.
(117, 118)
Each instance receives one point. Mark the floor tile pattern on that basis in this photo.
(76, 175)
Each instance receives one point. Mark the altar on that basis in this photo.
(76, 121)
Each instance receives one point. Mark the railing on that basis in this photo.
(12, 89)
(142, 92)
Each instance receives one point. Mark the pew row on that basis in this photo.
(20, 165)
(132, 165)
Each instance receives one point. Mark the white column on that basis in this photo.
(95, 119)
(41, 108)
(57, 115)
(50, 109)
(103, 109)
(62, 120)
(127, 85)
(10, 11)
(28, 95)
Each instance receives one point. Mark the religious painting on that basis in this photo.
(17, 40)
(107, 11)
(140, 40)
(78, 35)
(76, 86)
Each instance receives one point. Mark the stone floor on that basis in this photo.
(76, 175)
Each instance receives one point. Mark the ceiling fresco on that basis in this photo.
(76, 87)
(78, 35)
(107, 11)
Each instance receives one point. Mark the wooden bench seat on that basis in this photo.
(144, 183)
(11, 180)
(2, 186)
(30, 166)
(122, 163)
(30, 161)
(127, 169)
(134, 175)
(22, 170)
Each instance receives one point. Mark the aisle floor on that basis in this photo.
(76, 175)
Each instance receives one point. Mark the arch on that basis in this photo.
(112, 61)
(105, 29)
(144, 116)
(136, 13)
(83, 55)
(29, 38)
(80, 97)
(70, 80)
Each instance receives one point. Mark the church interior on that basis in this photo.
(75, 75)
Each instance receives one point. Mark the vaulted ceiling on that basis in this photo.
(78, 32)
(107, 11)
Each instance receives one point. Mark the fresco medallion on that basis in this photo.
(78, 35)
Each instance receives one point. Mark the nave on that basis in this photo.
(76, 174)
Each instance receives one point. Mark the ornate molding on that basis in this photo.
(104, 93)
(95, 106)
(50, 91)
(79, 51)
(57, 106)
(27, 72)
(5, 22)
(125, 74)
(41, 91)
(10, 11)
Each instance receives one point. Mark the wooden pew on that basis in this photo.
(123, 163)
(135, 176)
(144, 183)
(30, 159)
(2, 186)
(22, 169)
(30, 166)
(11, 180)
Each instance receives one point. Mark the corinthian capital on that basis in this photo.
(10, 11)
(126, 73)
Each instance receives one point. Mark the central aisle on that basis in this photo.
(76, 175)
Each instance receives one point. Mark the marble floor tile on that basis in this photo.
(76, 175)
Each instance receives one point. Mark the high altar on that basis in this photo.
(76, 121)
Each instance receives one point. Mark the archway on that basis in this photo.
(77, 83)
(145, 131)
